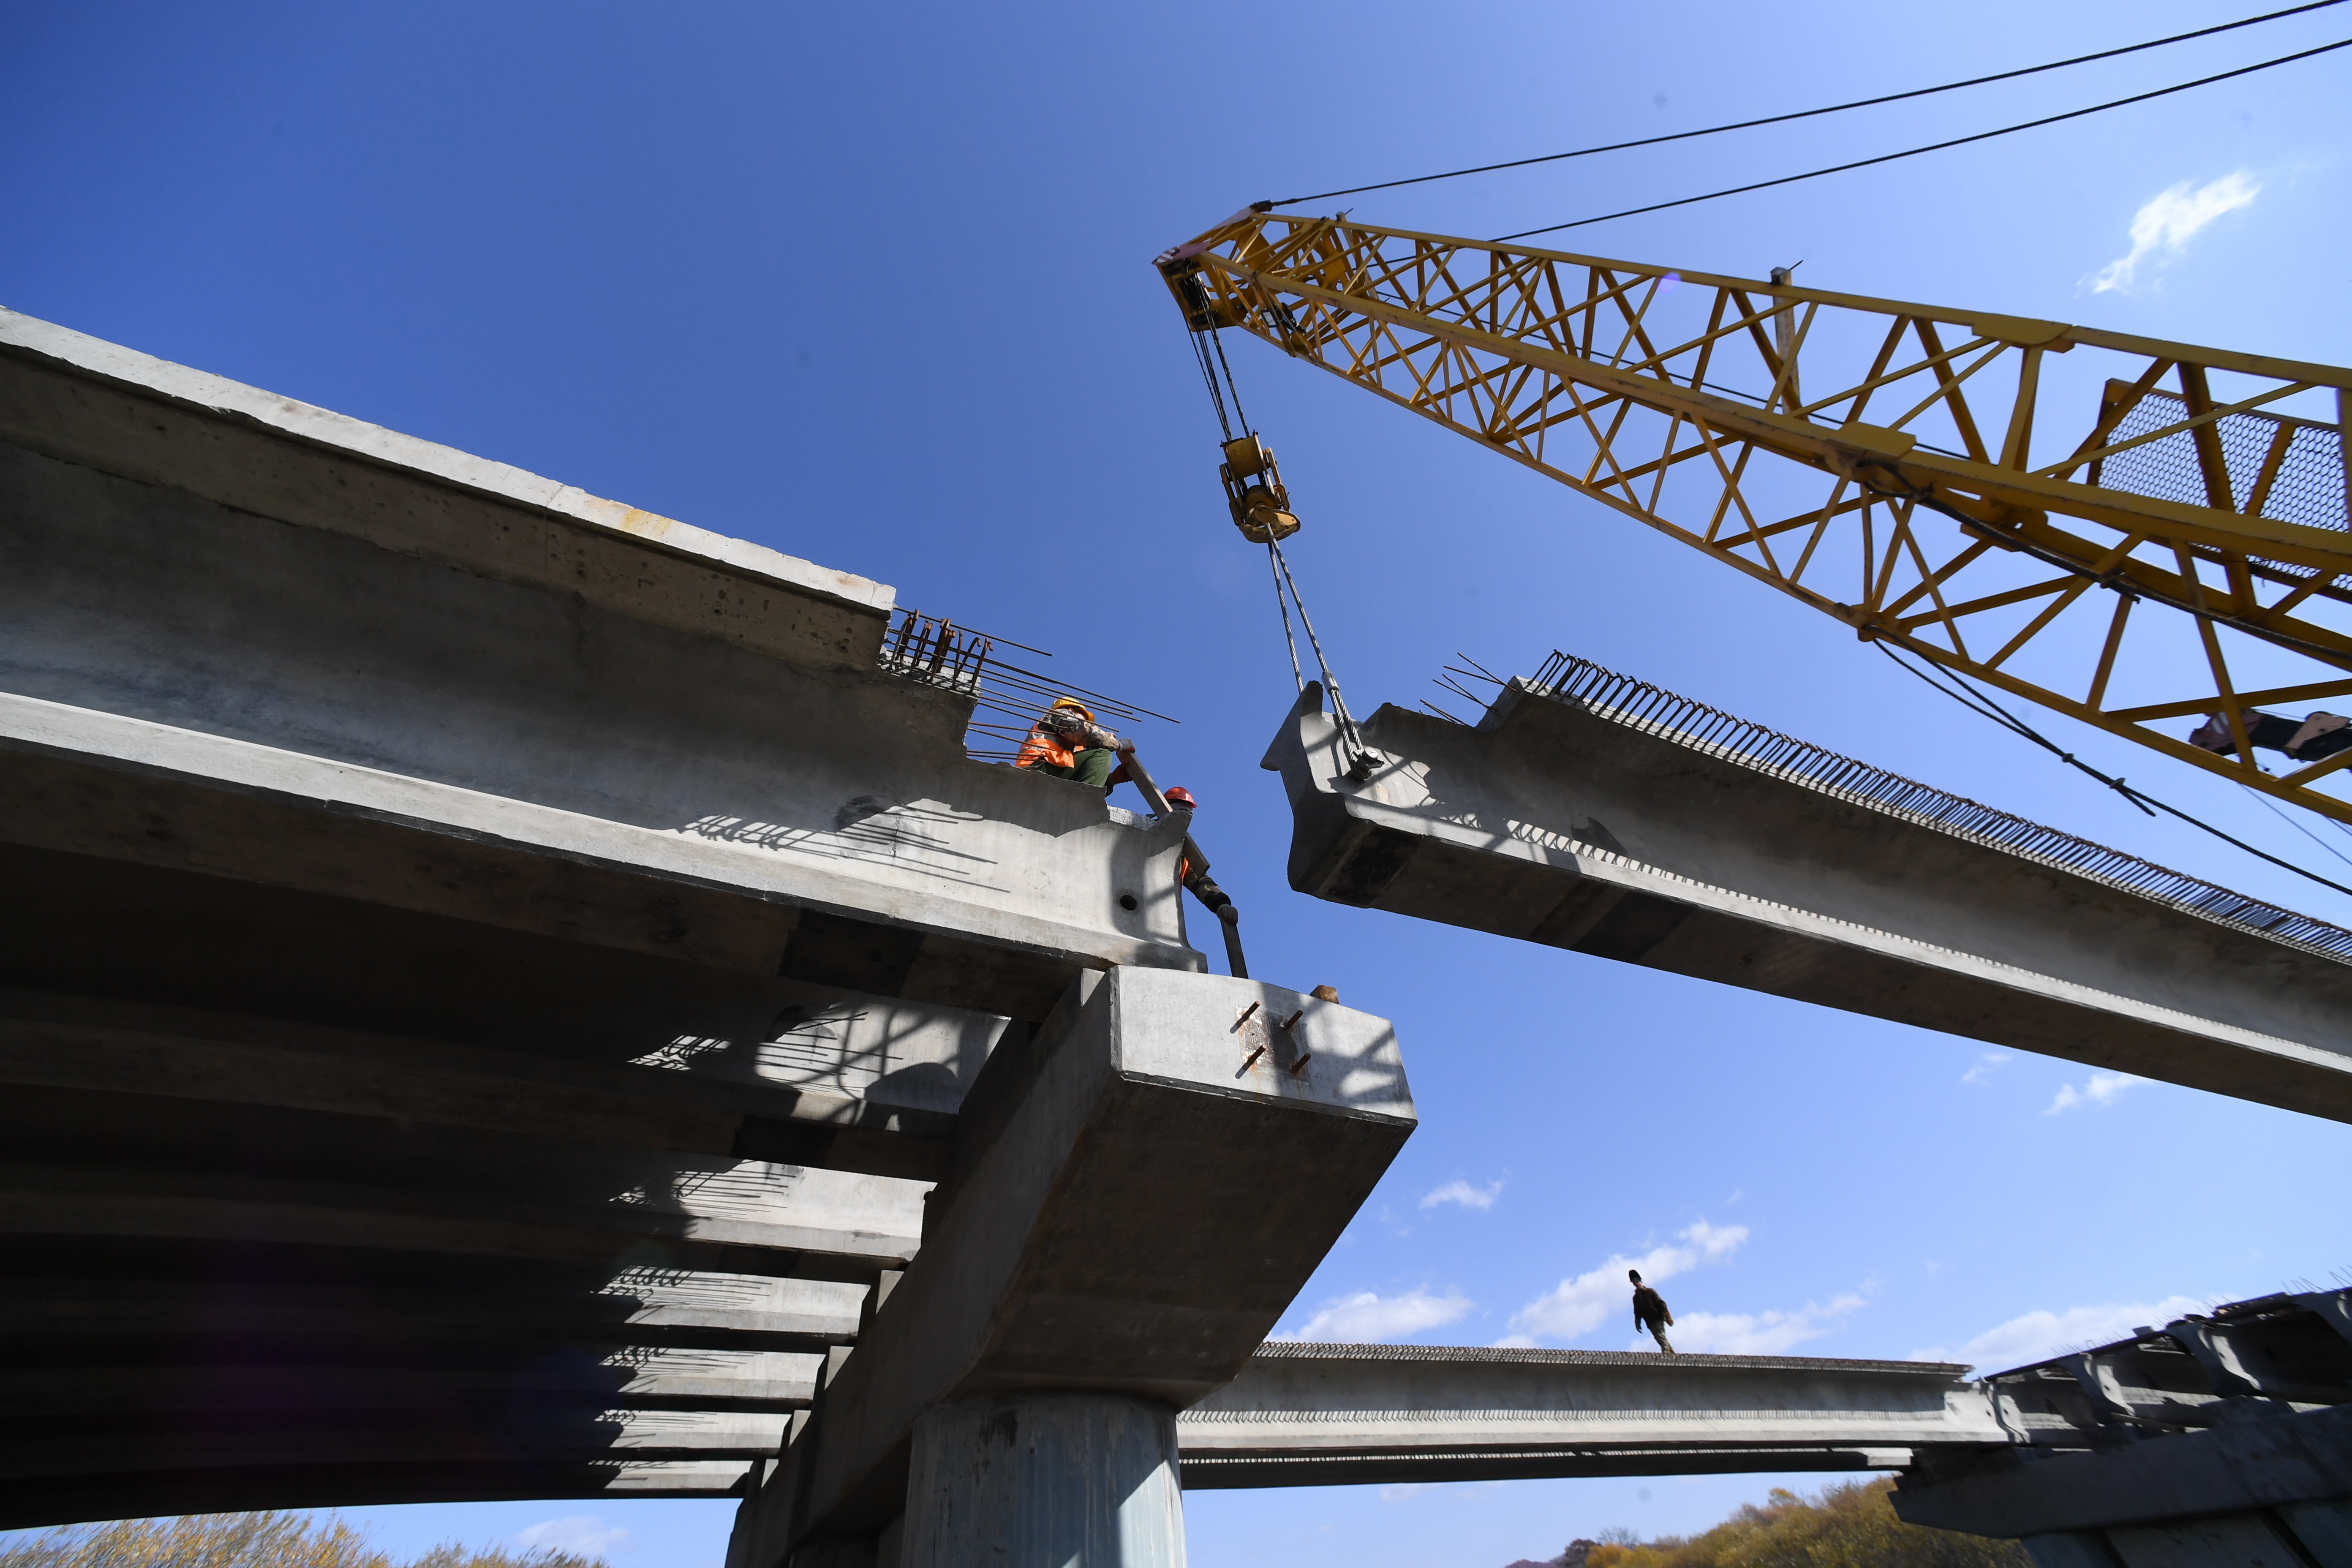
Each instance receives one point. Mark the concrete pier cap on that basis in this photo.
(1137, 1193)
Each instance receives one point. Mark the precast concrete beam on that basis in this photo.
(299, 649)
(1308, 1415)
(691, 1093)
(67, 1499)
(99, 406)
(272, 1441)
(1138, 1193)
(1593, 828)
(634, 1305)
(488, 1375)
(690, 1211)
(2262, 1459)
(910, 892)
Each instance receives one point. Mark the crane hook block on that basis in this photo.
(1254, 492)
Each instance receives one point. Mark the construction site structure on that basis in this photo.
(510, 995)
(2139, 534)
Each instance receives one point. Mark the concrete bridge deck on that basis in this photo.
(493, 973)
(1595, 814)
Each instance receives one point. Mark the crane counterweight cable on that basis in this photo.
(1932, 146)
(1809, 114)
(1978, 702)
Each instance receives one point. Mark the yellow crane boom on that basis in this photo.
(1992, 493)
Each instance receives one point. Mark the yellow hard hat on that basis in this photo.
(1087, 713)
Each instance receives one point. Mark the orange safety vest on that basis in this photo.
(1044, 746)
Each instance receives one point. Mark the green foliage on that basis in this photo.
(248, 1540)
(1850, 1525)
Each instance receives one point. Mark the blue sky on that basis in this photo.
(871, 285)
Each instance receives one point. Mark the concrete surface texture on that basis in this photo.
(1584, 828)
(1323, 1415)
(1040, 1480)
(1139, 1190)
(496, 974)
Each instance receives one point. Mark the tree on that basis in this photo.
(276, 1540)
(1849, 1525)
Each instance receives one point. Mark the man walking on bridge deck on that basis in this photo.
(1650, 1311)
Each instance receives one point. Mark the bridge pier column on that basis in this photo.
(1044, 1481)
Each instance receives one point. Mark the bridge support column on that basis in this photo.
(1044, 1479)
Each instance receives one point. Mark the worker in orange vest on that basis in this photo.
(1192, 867)
(1065, 743)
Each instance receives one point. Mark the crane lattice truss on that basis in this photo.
(2131, 532)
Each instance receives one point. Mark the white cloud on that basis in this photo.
(2170, 220)
(2102, 1089)
(1462, 1193)
(1369, 1318)
(581, 1534)
(2037, 1336)
(1576, 1307)
(1758, 1334)
(1986, 1066)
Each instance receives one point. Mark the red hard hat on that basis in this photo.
(1182, 797)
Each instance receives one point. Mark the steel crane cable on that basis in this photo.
(1933, 146)
(1809, 113)
(1975, 701)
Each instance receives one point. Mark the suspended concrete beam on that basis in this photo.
(1587, 826)
(1316, 1415)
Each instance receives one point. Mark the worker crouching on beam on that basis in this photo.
(1065, 743)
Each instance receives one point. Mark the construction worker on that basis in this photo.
(1192, 868)
(2319, 735)
(1065, 743)
(1650, 1311)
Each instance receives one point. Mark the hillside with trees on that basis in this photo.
(1848, 1525)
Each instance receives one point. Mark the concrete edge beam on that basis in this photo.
(98, 783)
(85, 401)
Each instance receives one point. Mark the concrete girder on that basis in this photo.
(66, 1497)
(638, 1378)
(237, 671)
(2225, 1437)
(551, 1433)
(1242, 1123)
(104, 406)
(1558, 823)
(1308, 1415)
(693, 1095)
(635, 1305)
(96, 783)
(684, 1210)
